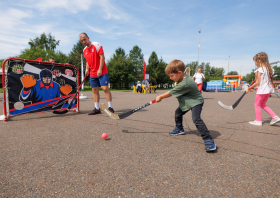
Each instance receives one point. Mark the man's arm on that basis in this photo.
(165, 95)
(203, 77)
(87, 69)
(102, 60)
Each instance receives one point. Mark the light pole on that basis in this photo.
(228, 63)
(241, 72)
(198, 50)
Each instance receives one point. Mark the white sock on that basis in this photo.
(96, 104)
(110, 104)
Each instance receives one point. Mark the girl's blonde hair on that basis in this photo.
(263, 58)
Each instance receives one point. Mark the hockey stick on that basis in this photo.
(72, 101)
(236, 103)
(125, 114)
(277, 94)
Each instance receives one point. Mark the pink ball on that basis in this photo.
(104, 135)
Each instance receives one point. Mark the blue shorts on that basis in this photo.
(99, 81)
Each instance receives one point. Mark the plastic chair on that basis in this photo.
(143, 89)
(152, 89)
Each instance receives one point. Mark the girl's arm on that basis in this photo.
(258, 81)
(165, 95)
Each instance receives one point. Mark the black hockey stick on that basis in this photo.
(125, 114)
(236, 103)
(72, 101)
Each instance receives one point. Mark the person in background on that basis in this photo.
(198, 78)
(51, 59)
(146, 85)
(138, 87)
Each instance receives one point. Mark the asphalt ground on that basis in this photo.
(48, 155)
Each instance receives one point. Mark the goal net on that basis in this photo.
(31, 86)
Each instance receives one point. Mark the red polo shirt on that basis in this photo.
(93, 59)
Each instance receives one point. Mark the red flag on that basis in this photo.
(39, 59)
(144, 70)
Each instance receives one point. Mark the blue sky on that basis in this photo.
(238, 29)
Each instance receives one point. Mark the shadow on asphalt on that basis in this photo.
(267, 121)
(126, 131)
(214, 134)
(48, 116)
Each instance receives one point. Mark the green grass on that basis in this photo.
(1, 90)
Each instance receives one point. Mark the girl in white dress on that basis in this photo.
(264, 82)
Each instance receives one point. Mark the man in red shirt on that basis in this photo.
(99, 77)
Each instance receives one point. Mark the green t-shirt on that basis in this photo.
(187, 94)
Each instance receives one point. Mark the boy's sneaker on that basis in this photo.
(274, 120)
(257, 123)
(111, 109)
(177, 131)
(95, 111)
(210, 145)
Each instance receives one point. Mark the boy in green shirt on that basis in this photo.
(189, 98)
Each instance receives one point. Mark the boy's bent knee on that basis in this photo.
(196, 120)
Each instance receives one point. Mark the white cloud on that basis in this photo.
(73, 6)
(104, 9)
(12, 17)
(94, 29)
(122, 33)
(13, 50)
(112, 11)
(152, 7)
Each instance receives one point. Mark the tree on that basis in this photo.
(151, 67)
(156, 70)
(161, 76)
(210, 73)
(75, 58)
(192, 66)
(137, 58)
(44, 42)
(43, 47)
(35, 53)
(120, 69)
(202, 66)
(249, 77)
(1, 61)
(276, 72)
(232, 73)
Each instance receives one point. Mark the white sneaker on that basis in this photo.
(257, 123)
(274, 120)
